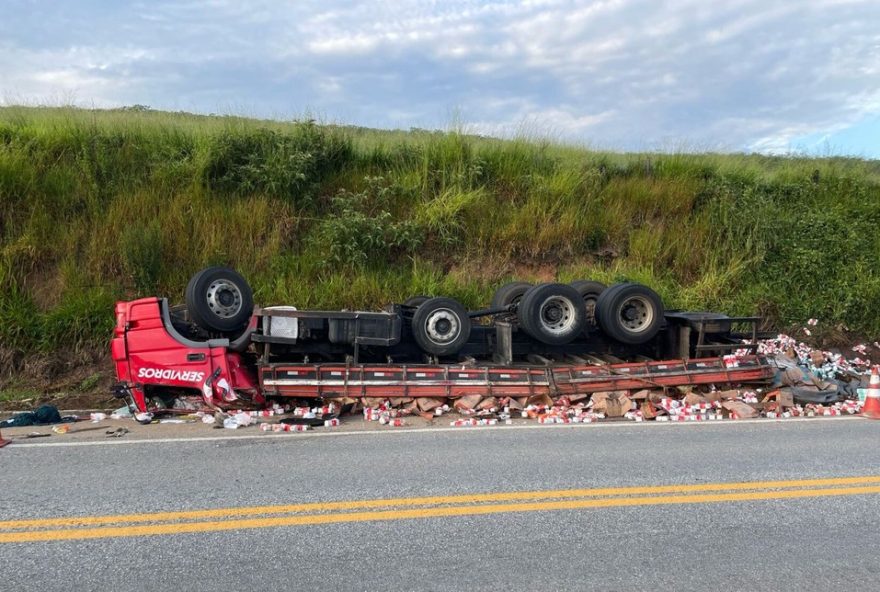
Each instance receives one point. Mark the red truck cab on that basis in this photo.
(153, 358)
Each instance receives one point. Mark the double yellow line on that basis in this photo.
(191, 521)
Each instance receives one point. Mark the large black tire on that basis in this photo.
(441, 326)
(554, 314)
(416, 301)
(219, 299)
(508, 294)
(589, 291)
(630, 313)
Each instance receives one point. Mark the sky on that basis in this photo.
(769, 76)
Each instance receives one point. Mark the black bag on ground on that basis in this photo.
(44, 415)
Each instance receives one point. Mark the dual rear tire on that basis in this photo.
(556, 314)
(552, 313)
(630, 313)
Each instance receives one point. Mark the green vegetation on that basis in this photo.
(18, 394)
(89, 382)
(100, 205)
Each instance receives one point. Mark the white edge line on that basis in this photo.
(478, 429)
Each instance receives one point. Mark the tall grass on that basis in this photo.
(98, 205)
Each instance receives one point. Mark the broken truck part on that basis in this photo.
(550, 339)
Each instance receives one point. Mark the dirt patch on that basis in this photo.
(490, 270)
(68, 380)
(94, 400)
(8, 362)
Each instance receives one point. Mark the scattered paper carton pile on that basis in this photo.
(670, 405)
(387, 413)
(815, 376)
(823, 364)
(678, 404)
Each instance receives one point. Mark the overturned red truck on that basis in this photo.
(220, 351)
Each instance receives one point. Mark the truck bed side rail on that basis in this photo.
(444, 381)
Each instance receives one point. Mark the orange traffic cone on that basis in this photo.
(3, 442)
(872, 398)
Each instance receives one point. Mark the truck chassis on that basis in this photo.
(164, 364)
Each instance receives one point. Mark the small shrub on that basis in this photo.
(358, 232)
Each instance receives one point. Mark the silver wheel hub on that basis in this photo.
(224, 298)
(636, 314)
(442, 326)
(557, 314)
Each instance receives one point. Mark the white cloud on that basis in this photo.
(94, 76)
(743, 74)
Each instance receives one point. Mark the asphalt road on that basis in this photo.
(523, 534)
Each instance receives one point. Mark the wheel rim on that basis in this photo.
(636, 314)
(442, 326)
(224, 299)
(557, 315)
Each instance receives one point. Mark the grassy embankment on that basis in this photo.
(96, 206)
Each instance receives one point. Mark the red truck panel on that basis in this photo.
(148, 355)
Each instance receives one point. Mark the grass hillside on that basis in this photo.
(101, 205)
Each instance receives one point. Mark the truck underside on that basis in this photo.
(165, 361)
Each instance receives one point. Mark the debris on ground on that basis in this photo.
(42, 415)
(144, 418)
(121, 413)
(31, 435)
(284, 427)
(814, 375)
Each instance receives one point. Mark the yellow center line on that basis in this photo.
(402, 514)
(430, 501)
